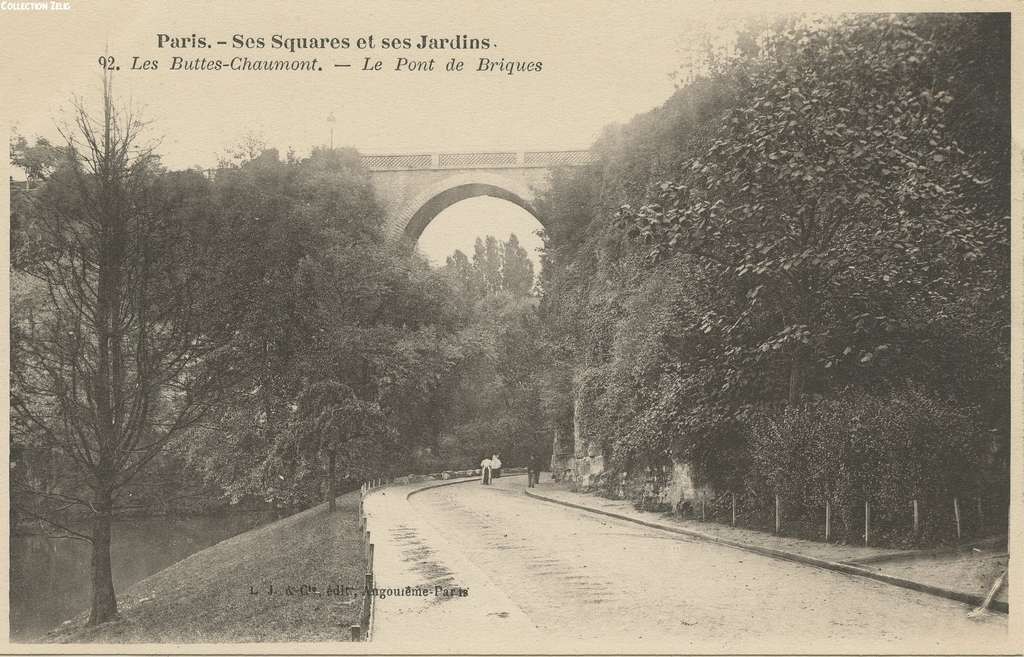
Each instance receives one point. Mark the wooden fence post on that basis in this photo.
(778, 518)
(956, 512)
(733, 509)
(364, 620)
(867, 522)
(828, 520)
(917, 519)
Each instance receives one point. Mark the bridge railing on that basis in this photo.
(477, 160)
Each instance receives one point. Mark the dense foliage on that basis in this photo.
(822, 216)
(343, 338)
(250, 337)
(493, 402)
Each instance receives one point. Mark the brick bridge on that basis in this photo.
(415, 187)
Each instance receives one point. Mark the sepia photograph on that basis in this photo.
(511, 328)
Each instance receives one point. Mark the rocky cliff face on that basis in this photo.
(581, 460)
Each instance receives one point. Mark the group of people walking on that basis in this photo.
(490, 469)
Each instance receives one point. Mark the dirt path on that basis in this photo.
(568, 579)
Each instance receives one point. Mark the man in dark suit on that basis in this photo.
(533, 468)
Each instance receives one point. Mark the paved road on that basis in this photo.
(545, 577)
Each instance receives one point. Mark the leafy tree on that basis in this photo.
(38, 160)
(319, 299)
(497, 266)
(833, 196)
(494, 401)
(487, 261)
(795, 251)
(466, 284)
(516, 268)
(336, 423)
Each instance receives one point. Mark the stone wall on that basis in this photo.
(580, 461)
(563, 457)
(680, 486)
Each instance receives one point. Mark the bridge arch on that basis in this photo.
(425, 206)
(415, 187)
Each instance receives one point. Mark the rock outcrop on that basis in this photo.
(581, 460)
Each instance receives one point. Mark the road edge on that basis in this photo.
(428, 485)
(452, 482)
(958, 596)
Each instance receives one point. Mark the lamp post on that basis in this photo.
(331, 120)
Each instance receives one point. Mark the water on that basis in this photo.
(50, 577)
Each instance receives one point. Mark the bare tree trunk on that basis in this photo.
(104, 603)
(331, 486)
(109, 383)
(111, 363)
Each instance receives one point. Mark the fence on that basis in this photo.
(364, 630)
(874, 517)
(951, 517)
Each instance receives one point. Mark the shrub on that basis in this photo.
(884, 450)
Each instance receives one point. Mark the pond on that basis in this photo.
(50, 580)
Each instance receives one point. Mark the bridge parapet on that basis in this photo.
(477, 160)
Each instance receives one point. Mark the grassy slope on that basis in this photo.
(206, 597)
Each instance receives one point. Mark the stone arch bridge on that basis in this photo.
(415, 187)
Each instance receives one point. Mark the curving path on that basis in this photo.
(549, 578)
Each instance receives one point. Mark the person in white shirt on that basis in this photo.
(495, 466)
(485, 471)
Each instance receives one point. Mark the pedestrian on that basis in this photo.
(485, 471)
(536, 465)
(495, 467)
(531, 462)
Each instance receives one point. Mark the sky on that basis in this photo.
(602, 62)
(458, 226)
